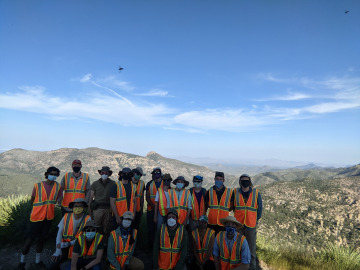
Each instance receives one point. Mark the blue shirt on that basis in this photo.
(245, 251)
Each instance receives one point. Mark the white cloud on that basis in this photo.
(155, 93)
(86, 78)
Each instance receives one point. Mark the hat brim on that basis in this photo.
(85, 227)
(71, 205)
(227, 219)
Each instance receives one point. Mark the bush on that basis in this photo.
(340, 257)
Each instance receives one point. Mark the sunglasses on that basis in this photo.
(54, 174)
(103, 173)
(90, 230)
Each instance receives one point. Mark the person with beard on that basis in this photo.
(122, 196)
(140, 187)
(162, 201)
(231, 250)
(75, 184)
(247, 204)
(121, 245)
(171, 244)
(151, 190)
(202, 240)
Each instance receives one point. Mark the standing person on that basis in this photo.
(151, 190)
(231, 250)
(248, 211)
(180, 199)
(171, 244)
(99, 207)
(88, 249)
(43, 199)
(218, 200)
(202, 240)
(76, 184)
(140, 187)
(162, 201)
(121, 245)
(198, 202)
(122, 196)
(70, 228)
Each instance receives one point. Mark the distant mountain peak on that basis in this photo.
(154, 156)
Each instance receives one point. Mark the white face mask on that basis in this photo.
(171, 222)
(104, 176)
(126, 223)
(197, 185)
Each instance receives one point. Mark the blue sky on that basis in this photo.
(228, 80)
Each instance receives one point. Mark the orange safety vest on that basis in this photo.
(44, 206)
(246, 214)
(180, 206)
(122, 250)
(68, 231)
(162, 202)
(218, 211)
(229, 260)
(202, 247)
(153, 190)
(92, 249)
(169, 254)
(197, 211)
(121, 201)
(72, 192)
(139, 194)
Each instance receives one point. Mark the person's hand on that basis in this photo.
(58, 246)
(54, 258)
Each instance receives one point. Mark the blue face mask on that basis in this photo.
(179, 185)
(218, 183)
(90, 235)
(51, 177)
(230, 230)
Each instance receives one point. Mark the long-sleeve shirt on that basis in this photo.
(183, 250)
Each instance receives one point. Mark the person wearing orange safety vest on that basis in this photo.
(44, 197)
(121, 245)
(218, 200)
(140, 188)
(231, 250)
(70, 228)
(151, 190)
(247, 204)
(76, 184)
(198, 202)
(162, 202)
(88, 248)
(202, 239)
(180, 199)
(122, 196)
(171, 244)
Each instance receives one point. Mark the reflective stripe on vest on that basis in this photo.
(180, 206)
(121, 252)
(202, 247)
(43, 206)
(218, 211)
(139, 194)
(246, 214)
(153, 190)
(68, 231)
(169, 254)
(72, 192)
(229, 260)
(162, 202)
(121, 201)
(93, 248)
(197, 211)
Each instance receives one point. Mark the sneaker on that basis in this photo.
(21, 266)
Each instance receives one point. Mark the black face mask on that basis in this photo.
(126, 176)
(76, 169)
(245, 183)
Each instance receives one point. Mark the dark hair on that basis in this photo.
(50, 169)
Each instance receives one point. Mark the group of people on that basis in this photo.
(186, 228)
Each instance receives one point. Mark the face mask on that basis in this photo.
(126, 177)
(197, 184)
(166, 183)
(90, 235)
(104, 176)
(245, 183)
(230, 230)
(171, 222)
(179, 185)
(157, 175)
(218, 183)
(126, 223)
(137, 177)
(78, 210)
(76, 169)
(51, 177)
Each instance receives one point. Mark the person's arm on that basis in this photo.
(142, 201)
(183, 251)
(92, 195)
(206, 200)
(58, 251)
(60, 196)
(87, 191)
(156, 212)
(216, 255)
(245, 257)
(97, 260)
(194, 248)
(187, 217)
(210, 248)
(156, 249)
(232, 201)
(74, 260)
(260, 206)
(111, 253)
(113, 194)
(148, 197)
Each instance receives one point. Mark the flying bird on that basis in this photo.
(120, 68)
(346, 11)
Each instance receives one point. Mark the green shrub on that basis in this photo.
(341, 257)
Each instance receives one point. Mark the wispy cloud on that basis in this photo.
(288, 97)
(155, 93)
